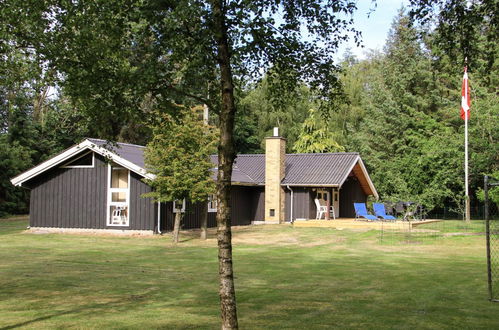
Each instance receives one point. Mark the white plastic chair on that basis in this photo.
(321, 209)
(119, 215)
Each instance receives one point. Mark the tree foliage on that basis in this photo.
(178, 155)
(315, 136)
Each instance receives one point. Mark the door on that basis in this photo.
(336, 202)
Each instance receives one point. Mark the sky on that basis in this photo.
(375, 27)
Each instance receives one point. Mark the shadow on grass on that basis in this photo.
(118, 303)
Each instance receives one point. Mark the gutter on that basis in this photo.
(291, 213)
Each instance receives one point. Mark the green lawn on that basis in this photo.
(285, 278)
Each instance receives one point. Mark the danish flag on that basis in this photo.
(465, 97)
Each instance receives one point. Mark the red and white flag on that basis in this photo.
(465, 96)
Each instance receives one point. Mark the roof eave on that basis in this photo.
(67, 154)
(368, 178)
(310, 185)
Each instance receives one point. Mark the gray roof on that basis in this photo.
(301, 169)
(330, 169)
(131, 152)
(317, 169)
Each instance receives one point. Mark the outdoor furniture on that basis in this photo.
(321, 209)
(400, 209)
(379, 211)
(389, 208)
(361, 212)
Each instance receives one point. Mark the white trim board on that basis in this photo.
(82, 166)
(364, 171)
(68, 153)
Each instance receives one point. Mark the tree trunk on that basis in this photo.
(226, 156)
(176, 226)
(204, 220)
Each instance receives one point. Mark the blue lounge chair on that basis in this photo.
(361, 211)
(379, 211)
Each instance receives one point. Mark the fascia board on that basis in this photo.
(86, 144)
(345, 177)
(121, 161)
(371, 185)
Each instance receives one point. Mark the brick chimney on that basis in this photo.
(275, 161)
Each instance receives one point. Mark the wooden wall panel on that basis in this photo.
(351, 192)
(70, 198)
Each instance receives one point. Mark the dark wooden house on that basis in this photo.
(96, 185)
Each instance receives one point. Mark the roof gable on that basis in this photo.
(328, 169)
(126, 155)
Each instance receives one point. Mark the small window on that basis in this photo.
(272, 212)
(85, 160)
(179, 205)
(212, 203)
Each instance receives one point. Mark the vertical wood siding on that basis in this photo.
(143, 214)
(258, 204)
(244, 210)
(301, 203)
(70, 197)
(351, 192)
(77, 198)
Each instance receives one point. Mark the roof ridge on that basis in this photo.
(324, 153)
(123, 143)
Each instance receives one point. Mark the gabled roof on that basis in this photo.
(127, 155)
(131, 152)
(321, 170)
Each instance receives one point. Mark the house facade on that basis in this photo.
(96, 185)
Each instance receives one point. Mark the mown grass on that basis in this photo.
(286, 277)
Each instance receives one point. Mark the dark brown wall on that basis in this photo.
(258, 207)
(143, 214)
(351, 192)
(303, 203)
(77, 198)
(245, 208)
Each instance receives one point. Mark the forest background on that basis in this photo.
(398, 107)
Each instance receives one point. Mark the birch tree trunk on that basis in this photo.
(176, 226)
(226, 156)
(204, 220)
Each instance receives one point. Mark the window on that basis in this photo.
(212, 203)
(118, 196)
(177, 205)
(85, 160)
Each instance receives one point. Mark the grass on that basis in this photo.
(286, 278)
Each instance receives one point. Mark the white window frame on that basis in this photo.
(212, 200)
(110, 192)
(81, 166)
(182, 210)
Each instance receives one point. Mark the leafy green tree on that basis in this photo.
(179, 157)
(112, 56)
(315, 137)
(412, 153)
(14, 158)
(260, 108)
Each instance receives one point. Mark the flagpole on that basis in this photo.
(466, 188)
(465, 103)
